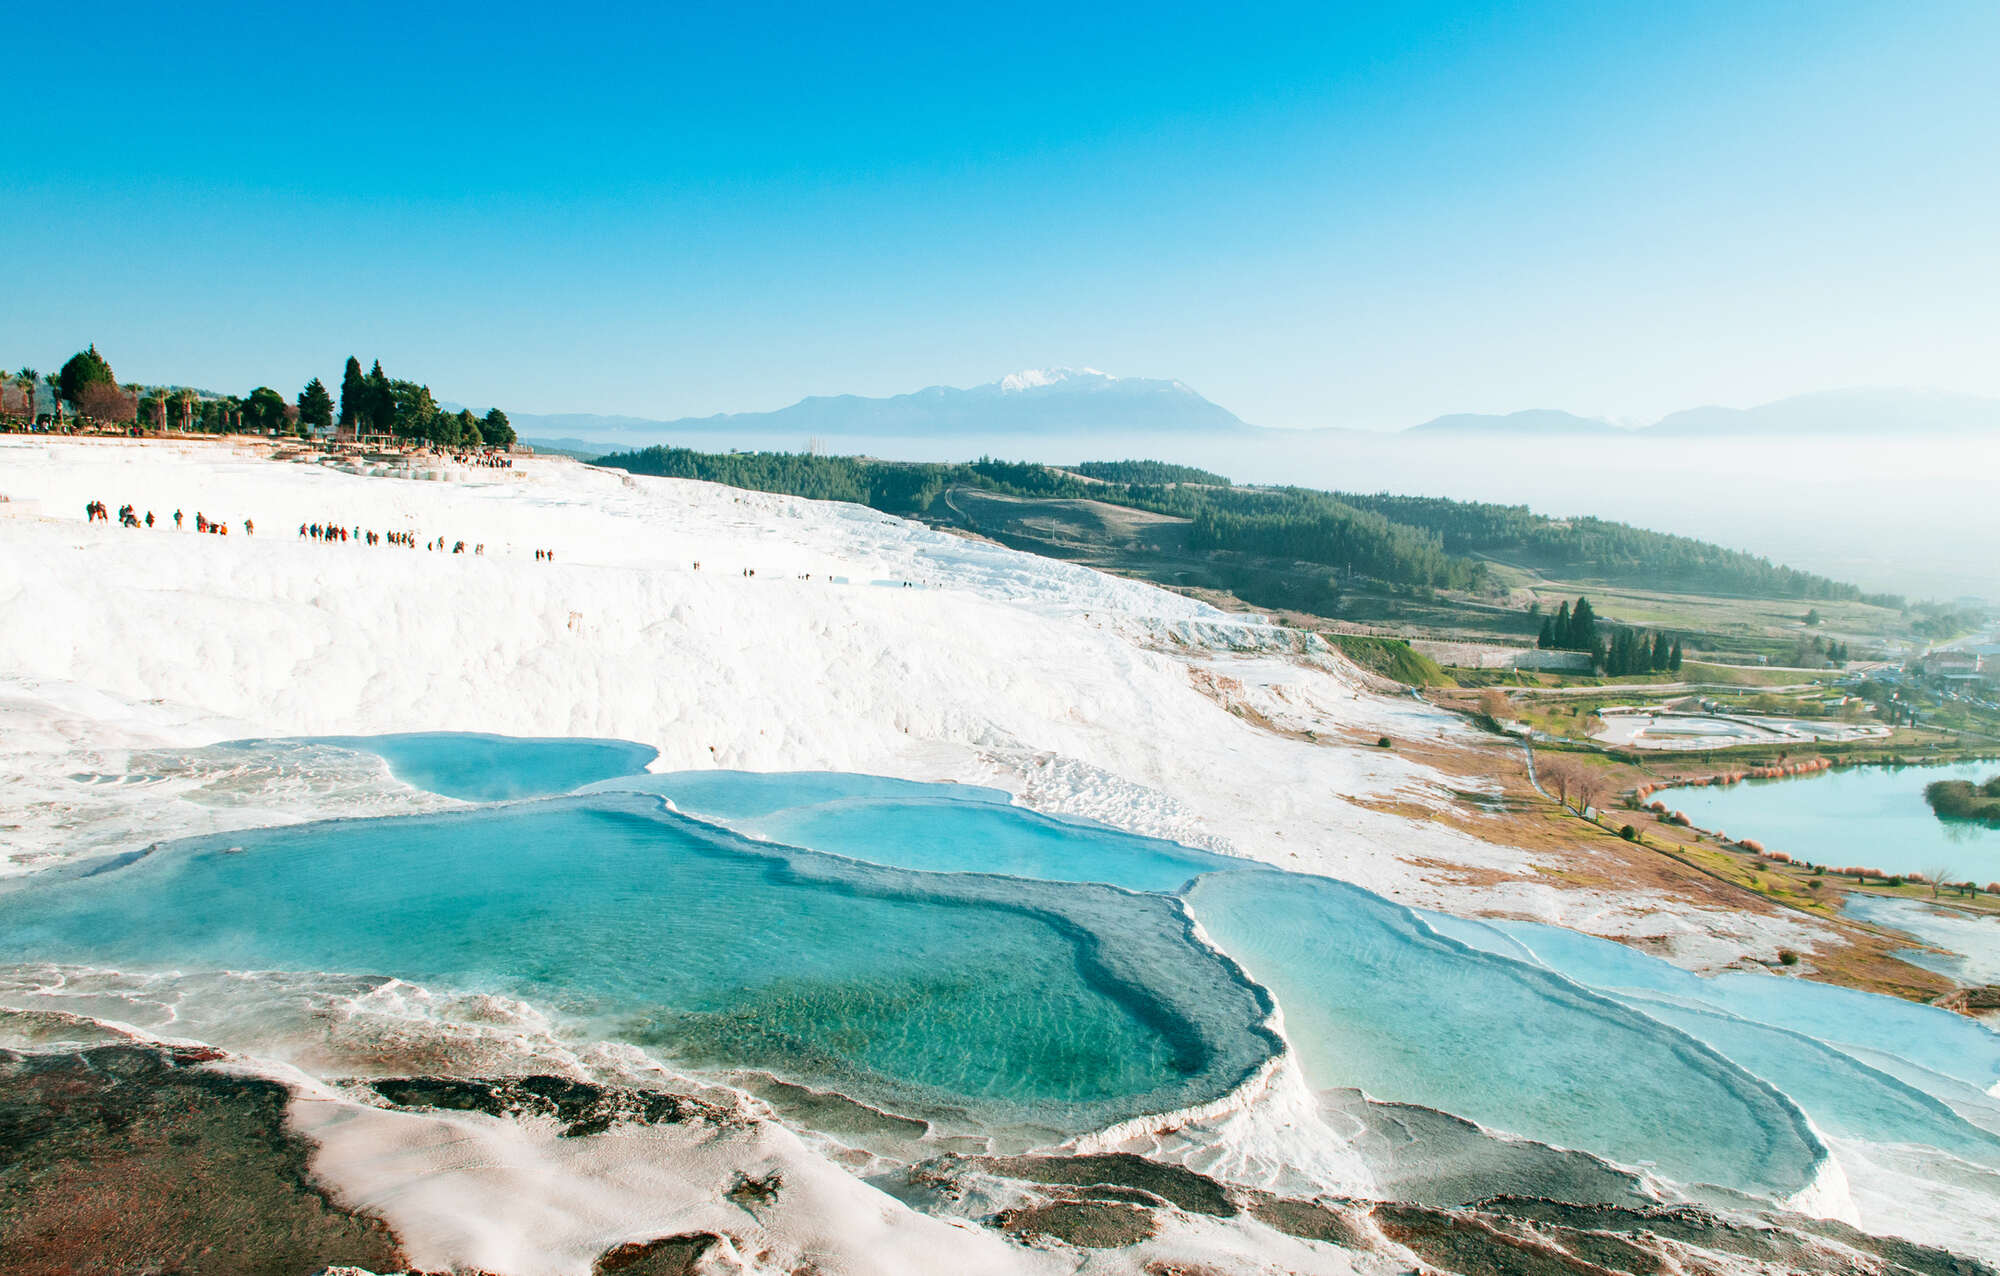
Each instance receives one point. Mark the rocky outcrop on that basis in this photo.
(582, 1107)
(1093, 1202)
(1971, 1001)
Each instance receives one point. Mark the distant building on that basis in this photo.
(1955, 664)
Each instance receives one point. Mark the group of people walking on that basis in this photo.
(128, 516)
(334, 534)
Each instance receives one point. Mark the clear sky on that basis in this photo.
(1315, 214)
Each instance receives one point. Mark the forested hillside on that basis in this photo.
(1595, 549)
(1154, 472)
(1293, 524)
(1412, 542)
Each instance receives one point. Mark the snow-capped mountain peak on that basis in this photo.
(1037, 378)
(1038, 400)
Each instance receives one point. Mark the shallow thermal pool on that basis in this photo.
(944, 952)
(1019, 1001)
(944, 828)
(1374, 998)
(496, 768)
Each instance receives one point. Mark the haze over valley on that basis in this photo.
(1890, 489)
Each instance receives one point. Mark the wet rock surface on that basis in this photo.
(1084, 1224)
(1421, 1155)
(678, 1255)
(1152, 1181)
(582, 1107)
(1311, 1220)
(1107, 1201)
(137, 1159)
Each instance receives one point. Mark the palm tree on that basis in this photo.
(184, 402)
(54, 383)
(28, 379)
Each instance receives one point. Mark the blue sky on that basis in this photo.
(1314, 214)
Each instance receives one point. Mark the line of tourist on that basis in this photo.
(129, 516)
(336, 534)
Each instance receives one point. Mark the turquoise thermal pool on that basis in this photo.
(1019, 1002)
(938, 950)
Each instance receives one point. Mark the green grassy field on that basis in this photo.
(1392, 658)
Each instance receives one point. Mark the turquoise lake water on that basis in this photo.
(912, 989)
(497, 768)
(1865, 816)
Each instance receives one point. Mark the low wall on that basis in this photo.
(1478, 655)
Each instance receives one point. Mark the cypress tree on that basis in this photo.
(381, 412)
(1548, 638)
(1563, 629)
(1623, 658)
(1674, 658)
(353, 395)
(1583, 626)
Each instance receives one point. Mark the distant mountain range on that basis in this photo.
(1830, 412)
(1538, 422)
(1047, 401)
(1077, 401)
(1845, 412)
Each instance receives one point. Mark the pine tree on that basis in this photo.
(353, 395)
(85, 368)
(496, 429)
(315, 405)
(264, 409)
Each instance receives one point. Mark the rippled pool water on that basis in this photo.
(1950, 1045)
(1067, 1006)
(1374, 998)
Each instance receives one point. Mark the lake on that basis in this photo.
(1869, 816)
